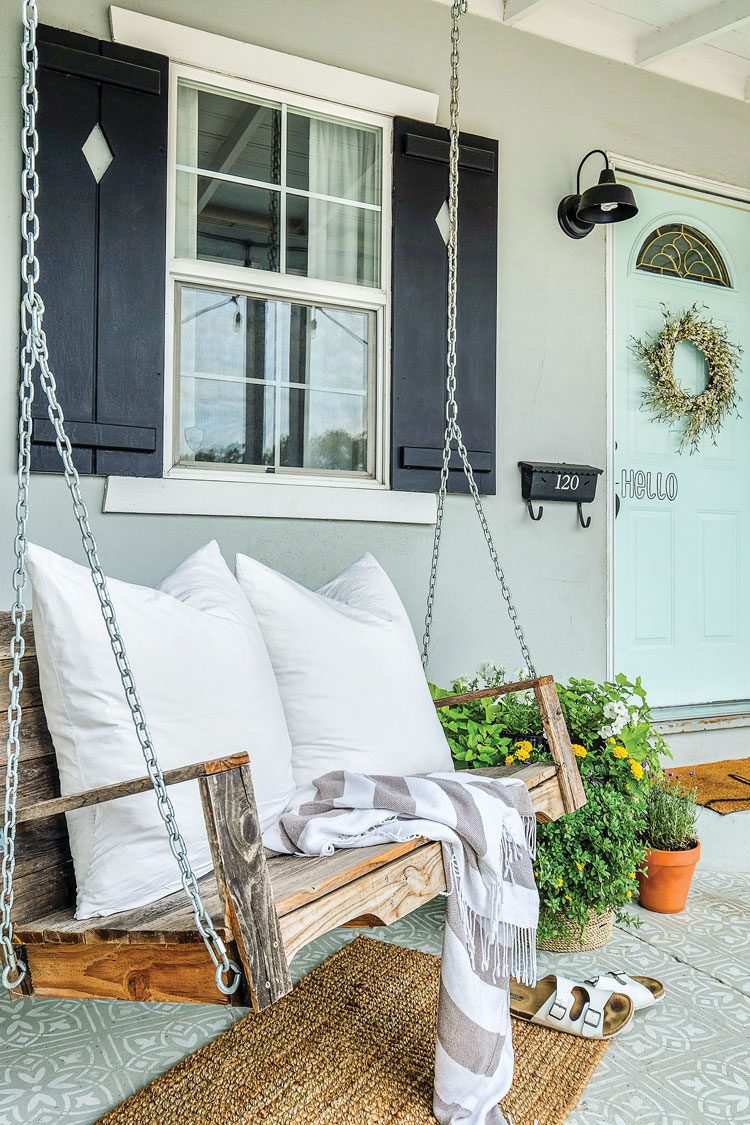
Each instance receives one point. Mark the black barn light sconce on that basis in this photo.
(606, 202)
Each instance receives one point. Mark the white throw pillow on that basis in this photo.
(208, 690)
(349, 673)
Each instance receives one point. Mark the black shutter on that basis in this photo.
(102, 251)
(419, 319)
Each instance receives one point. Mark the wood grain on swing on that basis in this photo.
(266, 909)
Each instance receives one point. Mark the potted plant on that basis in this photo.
(673, 848)
(587, 862)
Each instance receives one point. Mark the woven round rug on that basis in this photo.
(352, 1044)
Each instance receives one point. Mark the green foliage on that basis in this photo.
(589, 859)
(671, 813)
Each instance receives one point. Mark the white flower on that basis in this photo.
(521, 673)
(616, 709)
(492, 674)
(615, 726)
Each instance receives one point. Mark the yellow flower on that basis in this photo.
(579, 866)
(631, 874)
(559, 883)
(569, 898)
(509, 760)
(630, 894)
(523, 750)
(611, 741)
(636, 769)
(579, 751)
(619, 751)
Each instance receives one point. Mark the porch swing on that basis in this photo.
(252, 913)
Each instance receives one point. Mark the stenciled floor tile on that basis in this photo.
(684, 1062)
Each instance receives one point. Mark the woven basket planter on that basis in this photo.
(597, 932)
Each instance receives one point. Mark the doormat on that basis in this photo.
(722, 786)
(353, 1042)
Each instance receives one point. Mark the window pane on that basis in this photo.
(219, 221)
(241, 358)
(224, 334)
(333, 241)
(329, 348)
(323, 430)
(331, 158)
(233, 135)
(231, 423)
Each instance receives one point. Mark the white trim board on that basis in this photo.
(272, 68)
(705, 723)
(263, 500)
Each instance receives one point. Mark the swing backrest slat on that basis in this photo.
(44, 869)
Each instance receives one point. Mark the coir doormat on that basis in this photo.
(352, 1044)
(722, 786)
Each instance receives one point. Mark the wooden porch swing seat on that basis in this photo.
(265, 909)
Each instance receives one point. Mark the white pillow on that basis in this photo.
(349, 673)
(207, 687)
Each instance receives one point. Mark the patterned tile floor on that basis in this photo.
(683, 1063)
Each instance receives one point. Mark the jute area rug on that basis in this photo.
(722, 786)
(352, 1044)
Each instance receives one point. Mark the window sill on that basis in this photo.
(705, 723)
(264, 500)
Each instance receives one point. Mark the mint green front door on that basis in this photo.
(682, 533)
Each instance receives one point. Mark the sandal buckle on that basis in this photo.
(592, 1018)
(559, 1014)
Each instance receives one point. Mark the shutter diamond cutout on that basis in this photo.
(98, 154)
(443, 222)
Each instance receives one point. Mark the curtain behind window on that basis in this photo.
(343, 240)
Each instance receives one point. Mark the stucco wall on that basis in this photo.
(547, 104)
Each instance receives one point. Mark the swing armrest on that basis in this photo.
(43, 810)
(553, 724)
(490, 692)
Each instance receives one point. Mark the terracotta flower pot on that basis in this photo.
(665, 884)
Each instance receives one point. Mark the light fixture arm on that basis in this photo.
(580, 166)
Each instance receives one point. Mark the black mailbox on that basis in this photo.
(572, 484)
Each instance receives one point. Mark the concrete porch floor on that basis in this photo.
(683, 1062)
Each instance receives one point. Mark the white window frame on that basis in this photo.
(229, 60)
(264, 283)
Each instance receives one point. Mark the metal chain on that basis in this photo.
(452, 429)
(35, 351)
(273, 203)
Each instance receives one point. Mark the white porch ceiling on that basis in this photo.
(705, 43)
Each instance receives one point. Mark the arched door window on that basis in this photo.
(679, 250)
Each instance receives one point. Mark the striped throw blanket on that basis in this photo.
(487, 831)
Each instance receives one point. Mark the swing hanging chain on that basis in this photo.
(452, 428)
(35, 351)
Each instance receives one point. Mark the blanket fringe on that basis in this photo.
(502, 948)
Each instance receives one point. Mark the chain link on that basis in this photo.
(453, 433)
(274, 246)
(35, 352)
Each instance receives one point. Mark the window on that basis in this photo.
(678, 250)
(278, 293)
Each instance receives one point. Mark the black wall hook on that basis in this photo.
(583, 522)
(539, 514)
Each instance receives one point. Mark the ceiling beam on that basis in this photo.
(232, 148)
(696, 28)
(515, 10)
